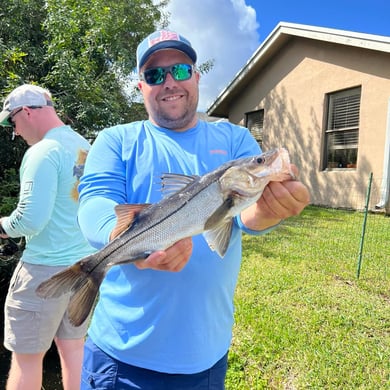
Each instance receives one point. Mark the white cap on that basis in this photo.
(26, 95)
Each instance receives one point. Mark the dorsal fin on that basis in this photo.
(125, 214)
(174, 182)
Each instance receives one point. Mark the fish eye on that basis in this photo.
(260, 160)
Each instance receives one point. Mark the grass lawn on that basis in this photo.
(303, 318)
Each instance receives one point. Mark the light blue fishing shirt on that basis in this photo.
(163, 321)
(46, 214)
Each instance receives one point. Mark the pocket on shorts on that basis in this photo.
(21, 330)
(99, 371)
(15, 275)
(21, 293)
(96, 381)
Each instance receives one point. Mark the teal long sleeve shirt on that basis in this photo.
(46, 214)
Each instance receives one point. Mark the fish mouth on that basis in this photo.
(250, 180)
(276, 163)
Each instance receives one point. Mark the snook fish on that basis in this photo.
(192, 205)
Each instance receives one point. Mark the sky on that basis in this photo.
(229, 31)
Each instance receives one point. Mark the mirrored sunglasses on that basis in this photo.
(156, 76)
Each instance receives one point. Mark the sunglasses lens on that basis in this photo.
(181, 72)
(154, 76)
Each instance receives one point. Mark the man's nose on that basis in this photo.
(169, 80)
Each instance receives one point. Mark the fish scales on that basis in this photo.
(158, 235)
(192, 215)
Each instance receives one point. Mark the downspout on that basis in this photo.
(385, 187)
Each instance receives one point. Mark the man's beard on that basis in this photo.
(163, 119)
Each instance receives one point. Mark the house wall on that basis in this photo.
(292, 91)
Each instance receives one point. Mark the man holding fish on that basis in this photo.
(151, 328)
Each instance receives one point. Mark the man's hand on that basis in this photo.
(173, 259)
(279, 200)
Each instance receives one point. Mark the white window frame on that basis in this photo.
(342, 129)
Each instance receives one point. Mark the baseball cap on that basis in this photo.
(25, 95)
(163, 39)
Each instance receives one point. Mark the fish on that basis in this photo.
(190, 205)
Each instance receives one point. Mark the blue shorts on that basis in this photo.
(102, 372)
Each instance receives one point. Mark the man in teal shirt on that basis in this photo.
(46, 215)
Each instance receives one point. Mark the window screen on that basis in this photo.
(254, 122)
(342, 129)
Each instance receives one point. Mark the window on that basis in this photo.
(254, 122)
(342, 129)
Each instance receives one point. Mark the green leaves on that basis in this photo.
(84, 52)
(81, 50)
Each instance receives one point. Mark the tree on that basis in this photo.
(93, 43)
(83, 51)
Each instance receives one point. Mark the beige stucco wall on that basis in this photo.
(292, 89)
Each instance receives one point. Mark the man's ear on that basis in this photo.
(197, 75)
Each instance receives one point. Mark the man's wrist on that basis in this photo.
(253, 232)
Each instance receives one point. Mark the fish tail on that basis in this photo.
(82, 301)
(82, 285)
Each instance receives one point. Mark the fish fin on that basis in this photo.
(218, 238)
(219, 214)
(83, 285)
(175, 182)
(60, 283)
(126, 214)
(82, 302)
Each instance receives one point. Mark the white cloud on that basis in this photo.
(222, 30)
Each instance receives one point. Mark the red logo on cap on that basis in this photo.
(164, 36)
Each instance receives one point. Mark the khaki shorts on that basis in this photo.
(31, 323)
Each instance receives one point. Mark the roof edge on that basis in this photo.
(343, 37)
